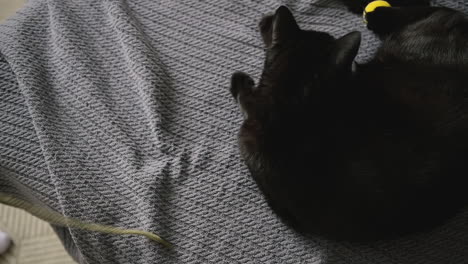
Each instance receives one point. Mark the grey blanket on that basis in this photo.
(118, 112)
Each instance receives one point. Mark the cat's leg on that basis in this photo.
(241, 87)
(385, 20)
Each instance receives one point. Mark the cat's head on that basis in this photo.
(301, 67)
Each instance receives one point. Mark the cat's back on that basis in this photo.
(441, 39)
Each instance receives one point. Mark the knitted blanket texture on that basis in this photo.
(118, 112)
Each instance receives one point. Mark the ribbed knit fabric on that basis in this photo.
(118, 112)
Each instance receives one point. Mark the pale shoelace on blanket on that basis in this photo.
(60, 220)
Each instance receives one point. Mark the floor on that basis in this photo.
(9, 7)
(33, 239)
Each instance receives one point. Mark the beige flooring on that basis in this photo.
(34, 241)
(9, 7)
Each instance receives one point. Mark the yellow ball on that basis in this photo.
(372, 6)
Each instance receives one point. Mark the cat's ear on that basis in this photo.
(345, 50)
(284, 25)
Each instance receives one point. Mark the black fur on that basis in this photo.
(370, 155)
(357, 6)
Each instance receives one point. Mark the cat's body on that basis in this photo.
(369, 155)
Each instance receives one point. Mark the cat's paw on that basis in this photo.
(241, 82)
(358, 6)
(379, 22)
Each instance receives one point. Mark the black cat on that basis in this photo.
(363, 155)
(357, 6)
